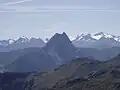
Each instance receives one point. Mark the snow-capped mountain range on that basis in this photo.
(97, 36)
(20, 43)
(21, 40)
(98, 40)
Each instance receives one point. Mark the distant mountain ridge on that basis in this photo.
(22, 39)
(98, 40)
(97, 36)
(58, 50)
(20, 43)
(87, 37)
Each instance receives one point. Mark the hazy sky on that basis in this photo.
(43, 18)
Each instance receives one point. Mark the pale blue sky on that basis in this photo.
(43, 18)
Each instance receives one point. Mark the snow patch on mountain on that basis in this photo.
(72, 38)
(11, 41)
(22, 39)
(102, 34)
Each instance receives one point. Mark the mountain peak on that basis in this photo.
(11, 41)
(99, 39)
(100, 33)
(22, 39)
(58, 34)
(59, 39)
(64, 34)
(96, 36)
(85, 37)
(104, 35)
(61, 47)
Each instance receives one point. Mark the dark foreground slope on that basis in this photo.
(12, 81)
(80, 74)
(105, 80)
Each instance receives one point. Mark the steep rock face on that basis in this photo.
(62, 47)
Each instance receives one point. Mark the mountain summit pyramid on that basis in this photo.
(59, 40)
(61, 45)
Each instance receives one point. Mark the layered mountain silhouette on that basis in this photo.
(59, 65)
(59, 50)
(99, 40)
